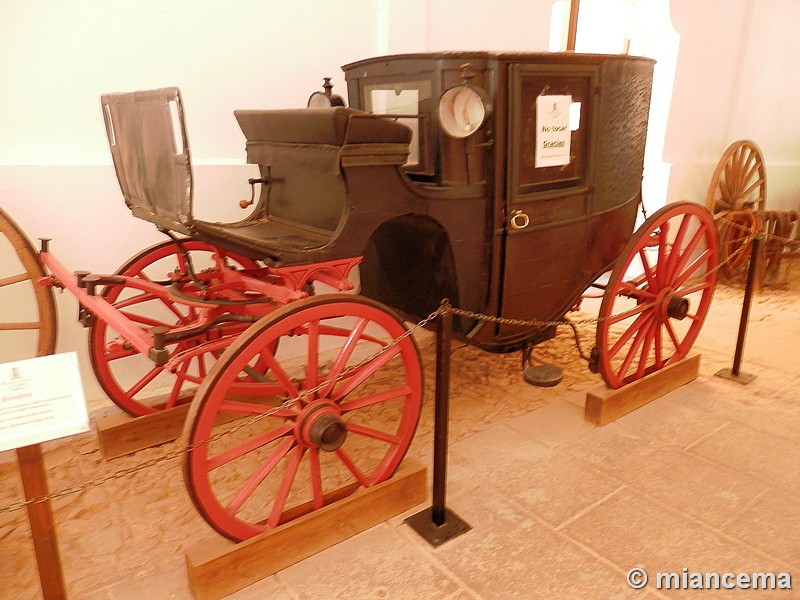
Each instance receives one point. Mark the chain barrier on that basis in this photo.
(286, 405)
(444, 308)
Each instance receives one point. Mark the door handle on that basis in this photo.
(519, 220)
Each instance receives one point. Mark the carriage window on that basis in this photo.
(533, 178)
(409, 103)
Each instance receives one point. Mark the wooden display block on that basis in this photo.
(604, 405)
(122, 434)
(218, 567)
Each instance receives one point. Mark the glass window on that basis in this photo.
(409, 102)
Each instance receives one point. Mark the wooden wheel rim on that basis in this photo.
(739, 180)
(46, 324)
(279, 449)
(135, 396)
(637, 332)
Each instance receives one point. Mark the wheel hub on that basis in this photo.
(672, 306)
(320, 425)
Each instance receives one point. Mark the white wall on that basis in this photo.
(736, 79)
(56, 58)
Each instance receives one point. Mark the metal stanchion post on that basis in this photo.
(438, 524)
(735, 372)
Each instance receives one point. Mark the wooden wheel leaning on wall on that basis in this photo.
(737, 196)
(740, 180)
(21, 296)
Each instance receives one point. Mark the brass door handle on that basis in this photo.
(519, 220)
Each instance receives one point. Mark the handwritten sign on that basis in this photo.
(41, 399)
(553, 135)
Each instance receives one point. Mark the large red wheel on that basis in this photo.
(349, 387)
(658, 295)
(28, 323)
(131, 380)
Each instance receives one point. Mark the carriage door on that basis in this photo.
(547, 188)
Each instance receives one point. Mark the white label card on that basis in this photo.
(553, 135)
(41, 399)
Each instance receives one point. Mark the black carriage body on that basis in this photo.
(441, 223)
(467, 199)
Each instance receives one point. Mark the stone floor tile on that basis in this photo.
(701, 489)
(378, 563)
(763, 456)
(509, 556)
(552, 424)
(554, 485)
(630, 530)
(771, 524)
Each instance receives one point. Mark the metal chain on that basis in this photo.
(286, 405)
(444, 308)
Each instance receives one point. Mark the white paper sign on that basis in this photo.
(41, 399)
(553, 135)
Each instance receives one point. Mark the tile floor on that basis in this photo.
(704, 479)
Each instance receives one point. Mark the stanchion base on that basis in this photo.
(434, 534)
(743, 378)
(543, 375)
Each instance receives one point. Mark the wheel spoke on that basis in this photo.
(240, 407)
(640, 308)
(375, 434)
(648, 271)
(312, 356)
(364, 373)
(318, 495)
(638, 340)
(669, 265)
(374, 399)
(351, 466)
(272, 364)
(14, 279)
(689, 270)
(259, 476)
(286, 486)
(223, 458)
(686, 253)
(180, 378)
(649, 337)
(344, 356)
(144, 381)
(629, 332)
(20, 326)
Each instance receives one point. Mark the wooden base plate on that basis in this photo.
(604, 405)
(218, 567)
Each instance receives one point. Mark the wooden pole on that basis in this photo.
(40, 517)
(572, 31)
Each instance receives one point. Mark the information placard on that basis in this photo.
(41, 399)
(553, 135)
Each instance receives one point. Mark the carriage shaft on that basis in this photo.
(98, 306)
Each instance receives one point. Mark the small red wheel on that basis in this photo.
(348, 383)
(129, 379)
(658, 294)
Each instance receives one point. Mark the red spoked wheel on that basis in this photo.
(132, 381)
(336, 412)
(658, 294)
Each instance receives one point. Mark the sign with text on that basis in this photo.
(553, 135)
(41, 399)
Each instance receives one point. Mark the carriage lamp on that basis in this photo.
(463, 108)
(325, 99)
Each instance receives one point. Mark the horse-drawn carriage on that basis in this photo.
(506, 183)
